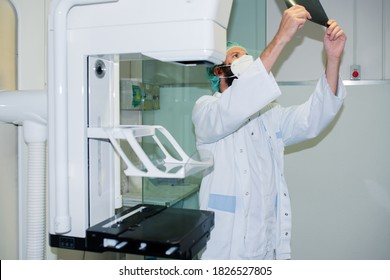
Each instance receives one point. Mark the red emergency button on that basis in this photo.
(355, 72)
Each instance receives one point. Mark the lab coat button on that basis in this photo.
(247, 193)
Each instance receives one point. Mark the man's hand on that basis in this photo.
(293, 19)
(334, 40)
(334, 43)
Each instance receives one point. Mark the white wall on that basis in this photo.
(386, 22)
(340, 182)
(7, 46)
(8, 192)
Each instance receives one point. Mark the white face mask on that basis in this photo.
(241, 64)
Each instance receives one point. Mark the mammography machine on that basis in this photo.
(88, 39)
(87, 42)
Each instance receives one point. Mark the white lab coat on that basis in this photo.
(246, 132)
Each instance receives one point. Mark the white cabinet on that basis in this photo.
(367, 27)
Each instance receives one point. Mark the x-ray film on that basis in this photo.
(315, 9)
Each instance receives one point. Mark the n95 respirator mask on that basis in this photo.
(240, 65)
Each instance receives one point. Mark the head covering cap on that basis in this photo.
(231, 44)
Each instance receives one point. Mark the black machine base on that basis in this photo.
(153, 230)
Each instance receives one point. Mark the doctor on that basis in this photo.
(246, 132)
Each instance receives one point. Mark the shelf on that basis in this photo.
(169, 166)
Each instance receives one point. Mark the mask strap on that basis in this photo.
(226, 65)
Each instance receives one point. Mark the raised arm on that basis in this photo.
(293, 19)
(334, 43)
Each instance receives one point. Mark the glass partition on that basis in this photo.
(163, 94)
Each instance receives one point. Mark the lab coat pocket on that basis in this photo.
(221, 238)
(279, 141)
